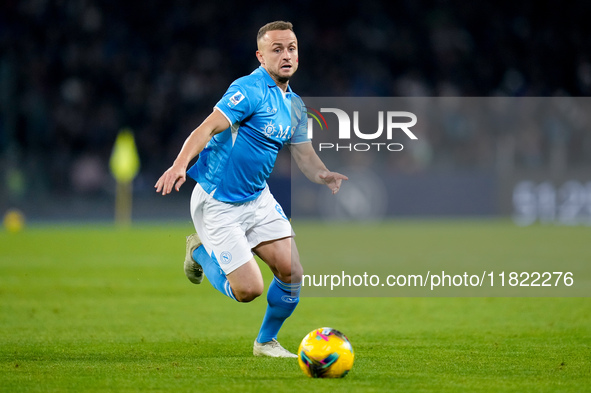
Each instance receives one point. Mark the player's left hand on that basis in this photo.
(333, 180)
(174, 176)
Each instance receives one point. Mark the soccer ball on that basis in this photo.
(325, 353)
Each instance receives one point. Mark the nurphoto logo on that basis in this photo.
(395, 122)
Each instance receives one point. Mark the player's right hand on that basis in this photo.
(173, 177)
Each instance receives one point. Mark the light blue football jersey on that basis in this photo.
(237, 162)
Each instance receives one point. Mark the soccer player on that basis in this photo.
(234, 213)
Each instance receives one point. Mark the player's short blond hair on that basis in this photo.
(277, 25)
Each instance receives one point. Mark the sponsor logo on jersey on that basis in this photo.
(269, 129)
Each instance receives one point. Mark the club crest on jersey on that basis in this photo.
(236, 98)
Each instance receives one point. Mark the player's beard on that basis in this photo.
(278, 78)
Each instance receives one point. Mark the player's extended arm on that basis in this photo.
(312, 166)
(177, 173)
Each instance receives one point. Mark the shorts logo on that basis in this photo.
(225, 257)
(236, 98)
(280, 211)
(289, 299)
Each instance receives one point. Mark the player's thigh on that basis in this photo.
(282, 257)
(246, 281)
(221, 229)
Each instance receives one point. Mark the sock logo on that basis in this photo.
(289, 299)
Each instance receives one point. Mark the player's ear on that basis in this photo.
(260, 58)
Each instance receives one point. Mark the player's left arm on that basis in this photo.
(312, 166)
(176, 175)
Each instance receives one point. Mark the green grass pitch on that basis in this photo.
(95, 309)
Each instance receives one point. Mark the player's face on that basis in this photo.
(278, 54)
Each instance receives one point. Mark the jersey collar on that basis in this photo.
(269, 80)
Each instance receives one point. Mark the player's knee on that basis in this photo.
(293, 274)
(246, 295)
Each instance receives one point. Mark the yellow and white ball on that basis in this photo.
(325, 353)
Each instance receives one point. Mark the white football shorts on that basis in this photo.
(229, 231)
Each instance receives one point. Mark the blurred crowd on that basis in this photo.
(74, 72)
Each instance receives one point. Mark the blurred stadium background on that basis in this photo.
(73, 73)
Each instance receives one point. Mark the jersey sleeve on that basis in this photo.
(237, 103)
(299, 119)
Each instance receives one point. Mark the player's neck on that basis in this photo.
(282, 86)
(281, 83)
